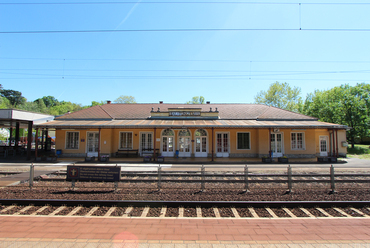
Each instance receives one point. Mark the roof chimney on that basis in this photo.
(109, 102)
(208, 102)
(160, 102)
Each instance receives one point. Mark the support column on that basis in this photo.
(29, 140)
(16, 135)
(213, 143)
(99, 144)
(270, 143)
(36, 143)
(154, 147)
(336, 140)
(46, 139)
(42, 139)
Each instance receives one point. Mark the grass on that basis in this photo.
(360, 151)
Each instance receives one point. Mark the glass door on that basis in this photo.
(222, 145)
(323, 146)
(146, 143)
(167, 143)
(200, 143)
(184, 143)
(92, 144)
(277, 145)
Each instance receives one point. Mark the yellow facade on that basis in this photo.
(259, 141)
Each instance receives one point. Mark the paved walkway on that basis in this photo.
(134, 232)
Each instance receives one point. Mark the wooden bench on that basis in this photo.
(150, 152)
(127, 153)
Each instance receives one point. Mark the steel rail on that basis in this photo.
(241, 181)
(206, 204)
(198, 174)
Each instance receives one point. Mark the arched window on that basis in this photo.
(184, 133)
(168, 132)
(201, 132)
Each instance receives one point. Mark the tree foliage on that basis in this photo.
(125, 99)
(197, 100)
(95, 103)
(15, 97)
(346, 105)
(281, 95)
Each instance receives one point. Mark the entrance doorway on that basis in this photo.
(324, 146)
(92, 148)
(222, 145)
(184, 143)
(277, 144)
(167, 143)
(201, 143)
(146, 142)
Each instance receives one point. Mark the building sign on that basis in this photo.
(184, 113)
(94, 173)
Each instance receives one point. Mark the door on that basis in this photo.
(277, 145)
(146, 143)
(92, 144)
(200, 143)
(184, 143)
(323, 146)
(167, 143)
(222, 145)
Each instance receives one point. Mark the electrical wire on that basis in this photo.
(180, 2)
(188, 30)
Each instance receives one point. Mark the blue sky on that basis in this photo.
(171, 51)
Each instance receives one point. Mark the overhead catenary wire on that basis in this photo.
(180, 2)
(187, 30)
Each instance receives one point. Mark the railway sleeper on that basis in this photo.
(191, 212)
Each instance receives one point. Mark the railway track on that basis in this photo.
(184, 209)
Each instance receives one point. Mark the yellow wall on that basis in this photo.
(259, 145)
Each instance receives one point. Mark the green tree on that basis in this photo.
(346, 105)
(65, 107)
(15, 97)
(49, 101)
(281, 95)
(197, 100)
(4, 103)
(125, 99)
(95, 103)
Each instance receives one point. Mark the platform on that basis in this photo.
(178, 232)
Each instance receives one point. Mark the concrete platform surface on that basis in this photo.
(39, 231)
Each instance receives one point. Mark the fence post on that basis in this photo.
(332, 180)
(203, 183)
(32, 175)
(159, 177)
(289, 179)
(73, 182)
(246, 178)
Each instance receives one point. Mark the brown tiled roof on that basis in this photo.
(142, 111)
(75, 124)
(96, 112)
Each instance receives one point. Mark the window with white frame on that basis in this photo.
(125, 140)
(297, 140)
(72, 139)
(243, 141)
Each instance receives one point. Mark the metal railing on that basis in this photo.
(235, 175)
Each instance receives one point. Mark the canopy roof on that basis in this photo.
(9, 118)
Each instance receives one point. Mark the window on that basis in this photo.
(72, 139)
(297, 141)
(243, 141)
(125, 140)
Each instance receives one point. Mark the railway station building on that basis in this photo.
(211, 131)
